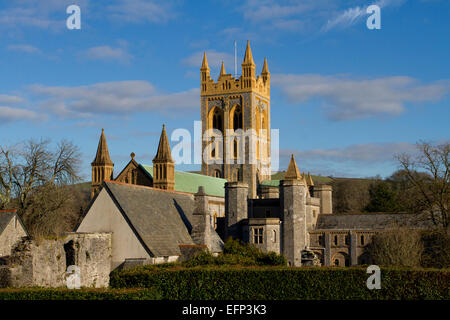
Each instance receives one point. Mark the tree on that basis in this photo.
(396, 247)
(32, 177)
(428, 173)
(382, 198)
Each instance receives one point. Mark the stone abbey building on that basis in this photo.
(157, 214)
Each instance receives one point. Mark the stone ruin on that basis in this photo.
(44, 263)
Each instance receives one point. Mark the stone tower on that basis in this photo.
(293, 192)
(236, 123)
(163, 165)
(102, 166)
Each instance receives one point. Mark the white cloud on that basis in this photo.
(107, 53)
(108, 98)
(23, 48)
(347, 99)
(141, 11)
(7, 99)
(214, 58)
(345, 19)
(8, 114)
(363, 153)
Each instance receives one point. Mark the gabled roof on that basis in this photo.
(189, 182)
(5, 218)
(159, 218)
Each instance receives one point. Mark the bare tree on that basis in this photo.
(428, 173)
(33, 176)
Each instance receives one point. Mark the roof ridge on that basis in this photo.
(146, 187)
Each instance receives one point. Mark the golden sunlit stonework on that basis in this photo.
(239, 108)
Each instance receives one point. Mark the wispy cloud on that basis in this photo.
(9, 114)
(24, 48)
(141, 11)
(112, 98)
(108, 53)
(366, 152)
(215, 59)
(347, 99)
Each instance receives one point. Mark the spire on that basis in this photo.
(265, 69)
(310, 180)
(102, 156)
(248, 58)
(292, 172)
(164, 153)
(205, 62)
(222, 70)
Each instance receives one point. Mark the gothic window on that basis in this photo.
(237, 118)
(274, 234)
(362, 240)
(347, 241)
(235, 148)
(217, 174)
(336, 262)
(218, 120)
(258, 235)
(335, 240)
(320, 241)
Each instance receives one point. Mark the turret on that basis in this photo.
(205, 76)
(163, 165)
(293, 201)
(102, 166)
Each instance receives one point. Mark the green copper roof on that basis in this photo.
(271, 183)
(189, 182)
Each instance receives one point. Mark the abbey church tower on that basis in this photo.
(236, 124)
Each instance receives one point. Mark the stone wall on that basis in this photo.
(44, 263)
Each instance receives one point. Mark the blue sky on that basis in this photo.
(345, 98)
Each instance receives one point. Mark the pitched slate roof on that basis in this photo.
(369, 221)
(5, 218)
(189, 182)
(161, 219)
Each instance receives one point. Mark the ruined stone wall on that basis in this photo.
(44, 263)
(10, 236)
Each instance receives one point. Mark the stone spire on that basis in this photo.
(102, 156)
(163, 165)
(310, 180)
(164, 153)
(265, 69)
(248, 58)
(292, 172)
(102, 166)
(204, 62)
(222, 70)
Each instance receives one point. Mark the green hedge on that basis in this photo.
(282, 283)
(78, 294)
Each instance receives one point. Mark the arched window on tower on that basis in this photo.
(217, 174)
(237, 118)
(235, 149)
(217, 120)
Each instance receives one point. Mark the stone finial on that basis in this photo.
(222, 70)
(205, 62)
(201, 191)
(265, 69)
(132, 155)
(310, 180)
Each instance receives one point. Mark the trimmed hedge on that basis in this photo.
(283, 283)
(78, 294)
